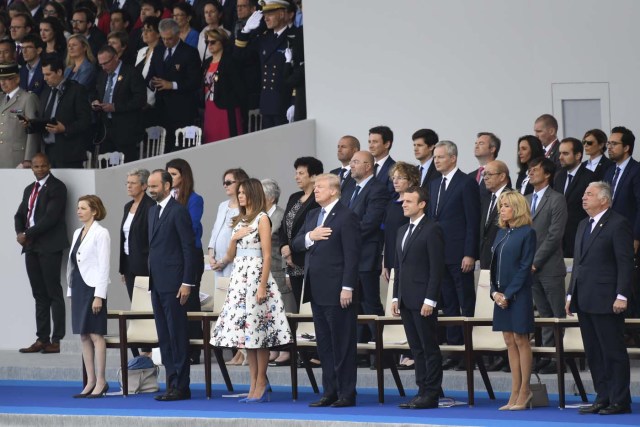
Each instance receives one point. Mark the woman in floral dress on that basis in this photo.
(253, 315)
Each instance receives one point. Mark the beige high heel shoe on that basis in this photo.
(528, 404)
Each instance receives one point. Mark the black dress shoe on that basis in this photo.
(408, 404)
(425, 402)
(194, 360)
(551, 368)
(592, 409)
(542, 363)
(323, 402)
(497, 364)
(280, 363)
(173, 395)
(615, 409)
(343, 403)
(461, 366)
(449, 364)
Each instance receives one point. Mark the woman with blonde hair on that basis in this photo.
(81, 64)
(511, 282)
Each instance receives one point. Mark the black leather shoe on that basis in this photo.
(174, 395)
(323, 402)
(408, 404)
(592, 409)
(343, 403)
(615, 409)
(461, 366)
(424, 402)
(449, 364)
(497, 364)
(551, 368)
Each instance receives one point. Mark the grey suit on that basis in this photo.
(15, 144)
(277, 264)
(549, 221)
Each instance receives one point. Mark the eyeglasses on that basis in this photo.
(399, 178)
(357, 162)
(227, 183)
(16, 27)
(148, 30)
(587, 143)
(102, 64)
(492, 174)
(613, 143)
(179, 15)
(77, 21)
(49, 12)
(25, 47)
(211, 42)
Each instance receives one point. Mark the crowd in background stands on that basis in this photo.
(170, 63)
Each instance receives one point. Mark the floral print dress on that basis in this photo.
(244, 323)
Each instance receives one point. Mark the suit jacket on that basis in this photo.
(16, 144)
(370, 207)
(228, 86)
(96, 40)
(420, 265)
(37, 83)
(74, 112)
(604, 267)
(333, 263)
(601, 168)
(183, 68)
(195, 206)
(277, 264)
(93, 259)
(549, 221)
(554, 153)
(626, 199)
(49, 234)
(138, 260)
(488, 228)
(131, 6)
(511, 273)
(459, 216)
(170, 247)
(432, 174)
(86, 76)
(348, 183)
(129, 96)
(573, 197)
(481, 185)
(297, 256)
(383, 175)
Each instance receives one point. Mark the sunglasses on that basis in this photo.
(588, 143)
(227, 183)
(211, 42)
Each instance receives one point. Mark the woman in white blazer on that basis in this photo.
(88, 278)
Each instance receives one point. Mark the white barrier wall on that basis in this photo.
(266, 154)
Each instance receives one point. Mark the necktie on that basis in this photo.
(614, 182)
(168, 57)
(320, 217)
(407, 235)
(443, 188)
(159, 211)
(108, 92)
(8, 99)
(375, 169)
(586, 235)
(355, 195)
(569, 178)
(421, 170)
(534, 203)
(480, 174)
(491, 204)
(342, 172)
(48, 111)
(32, 201)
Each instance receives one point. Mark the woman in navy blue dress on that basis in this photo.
(513, 251)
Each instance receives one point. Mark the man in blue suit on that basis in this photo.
(170, 281)
(455, 204)
(368, 199)
(31, 77)
(331, 237)
(380, 142)
(624, 178)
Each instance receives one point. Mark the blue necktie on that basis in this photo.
(320, 217)
(534, 204)
(614, 182)
(355, 195)
(443, 188)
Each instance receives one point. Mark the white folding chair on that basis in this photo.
(108, 160)
(189, 136)
(255, 121)
(153, 145)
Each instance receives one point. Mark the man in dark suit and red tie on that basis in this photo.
(170, 282)
(598, 293)
(486, 149)
(455, 204)
(419, 267)
(41, 231)
(331, 237)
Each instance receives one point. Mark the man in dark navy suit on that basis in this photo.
(170, 281)
(331, 237)
(572, 180)
(598, 293)
(347, 146)
(455, 204)
(380, 143)
(175, 75)
(546, 129)
(419, 267)
(368, 199)
(486, 149)
(496, 179)
(31, 78)
(424, 141)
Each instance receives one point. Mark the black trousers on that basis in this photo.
(193, 303)
(458, 298)
(422, 335)
(369, 302)
(43, 270)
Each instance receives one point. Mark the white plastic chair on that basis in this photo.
(153, 145)
(255, 121)
(189, 136)
(108, 160)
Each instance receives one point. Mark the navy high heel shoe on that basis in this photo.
(266, 396)
(104, 391)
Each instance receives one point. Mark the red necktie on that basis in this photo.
(32, 201)
(479, 174)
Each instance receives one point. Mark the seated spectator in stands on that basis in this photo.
(21, 25)
(131, 9)
(120, 20)
(595, 145)
(35, 11)
(52, 35)
(16, 8)
(102, 16)
(54, 9)
(119, 41)
(529, 148)
(7, 51)
(175, 75)
(148, 8)
(151, 37)
(5, 23)
(81, 64)
(82, 22)
(31, 78)
(183, 14)
(212, 20)
(223, 90)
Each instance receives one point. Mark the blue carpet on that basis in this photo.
(54, 397)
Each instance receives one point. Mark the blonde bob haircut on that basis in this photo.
(521, 210)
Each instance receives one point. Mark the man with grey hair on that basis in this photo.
(485, 150)
(174, 74)
(598, 292)
(455, 204)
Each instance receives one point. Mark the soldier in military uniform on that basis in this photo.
(270, 46)
(16, 146)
